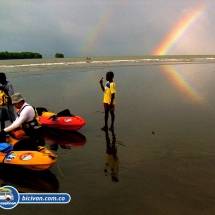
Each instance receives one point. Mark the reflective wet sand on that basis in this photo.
(161, 158)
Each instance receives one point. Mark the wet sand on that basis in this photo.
(164, 154)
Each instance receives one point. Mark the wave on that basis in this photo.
(69, 62)
(41, 64)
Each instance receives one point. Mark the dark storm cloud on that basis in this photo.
(78, 28)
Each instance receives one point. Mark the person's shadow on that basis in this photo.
(112, 158)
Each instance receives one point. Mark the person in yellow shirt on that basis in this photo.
(109, 99)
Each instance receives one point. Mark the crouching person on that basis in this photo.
(26, 119)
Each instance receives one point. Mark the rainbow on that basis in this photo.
(176, 34)
(182, 85)
(179, 31)
(97, 31)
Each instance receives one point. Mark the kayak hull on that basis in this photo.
(39, 160)
(71, 123)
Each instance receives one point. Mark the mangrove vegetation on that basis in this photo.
(19, 55)
(59, 55)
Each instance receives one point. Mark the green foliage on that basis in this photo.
(19, 55)
(58, 55)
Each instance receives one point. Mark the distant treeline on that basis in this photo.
(59, 55)
(19, 55)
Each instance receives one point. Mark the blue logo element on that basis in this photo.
(10, 156)
(44, 198)
(107, 84)
(9, 197)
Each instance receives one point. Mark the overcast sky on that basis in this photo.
(80, 28)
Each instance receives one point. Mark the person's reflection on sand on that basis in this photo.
(112, 158)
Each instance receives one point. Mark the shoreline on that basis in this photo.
(159, 171)
(106, 60)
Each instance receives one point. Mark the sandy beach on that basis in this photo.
(164, 146)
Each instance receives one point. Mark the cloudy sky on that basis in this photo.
(80, 28)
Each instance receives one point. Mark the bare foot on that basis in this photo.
(104, 128)
(111, 128)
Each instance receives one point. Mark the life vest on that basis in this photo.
(32, 123)
(4, 99)
(37, 117)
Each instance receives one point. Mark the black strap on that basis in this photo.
(31, 123)
(21, 110)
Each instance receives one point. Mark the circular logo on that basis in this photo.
(67, 120)
(26, 156)
(9, 197)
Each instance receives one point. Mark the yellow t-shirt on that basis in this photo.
(110, 88)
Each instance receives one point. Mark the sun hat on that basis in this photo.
(16, 98)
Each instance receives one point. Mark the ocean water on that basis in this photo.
(163, 141)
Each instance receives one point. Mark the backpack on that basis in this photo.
(4, 99)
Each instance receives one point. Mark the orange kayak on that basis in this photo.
(59, 121)
(35, 160)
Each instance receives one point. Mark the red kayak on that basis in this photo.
(64, 120)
